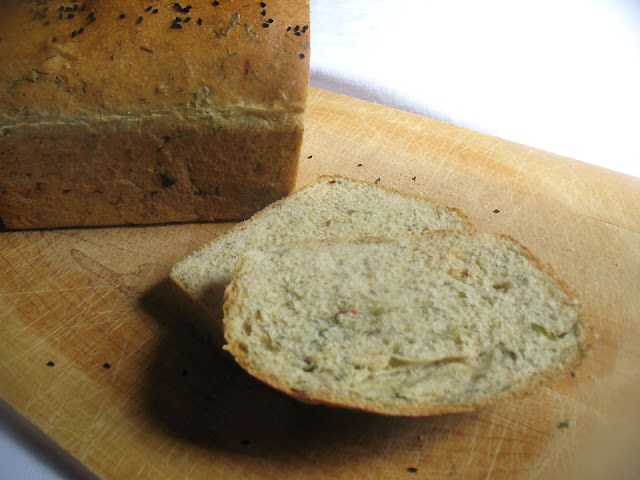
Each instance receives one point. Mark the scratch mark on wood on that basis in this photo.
(473, 444)
(41, 291)
(496, 450)
(26, 327)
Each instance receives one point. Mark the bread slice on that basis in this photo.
(440, 323)
(331, 208)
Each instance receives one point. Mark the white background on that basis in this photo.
(562, 76)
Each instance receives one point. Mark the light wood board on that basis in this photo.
(170, 407)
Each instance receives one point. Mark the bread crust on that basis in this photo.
(338, 399)
(110, 114)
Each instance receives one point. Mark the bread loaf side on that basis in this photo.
(125, 112)
(444, 322)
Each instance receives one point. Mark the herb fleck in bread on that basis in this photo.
(444, 322)
(331, 208)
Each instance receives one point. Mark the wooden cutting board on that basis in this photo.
(133, 392)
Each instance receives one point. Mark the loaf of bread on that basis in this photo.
(138, 112)
(334, 207)
(439, 323)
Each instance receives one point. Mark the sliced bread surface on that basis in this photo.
(334, 207)
(439, 323)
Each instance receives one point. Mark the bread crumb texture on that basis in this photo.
(442, 322)
(333, 207)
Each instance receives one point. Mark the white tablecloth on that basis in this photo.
(562, 75)
(559, 75)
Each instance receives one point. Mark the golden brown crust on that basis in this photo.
(124, 66)
(144, 122)
(339, 399)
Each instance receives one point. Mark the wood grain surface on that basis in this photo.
(134, 392)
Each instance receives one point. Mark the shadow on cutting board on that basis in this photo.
(199, 394)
